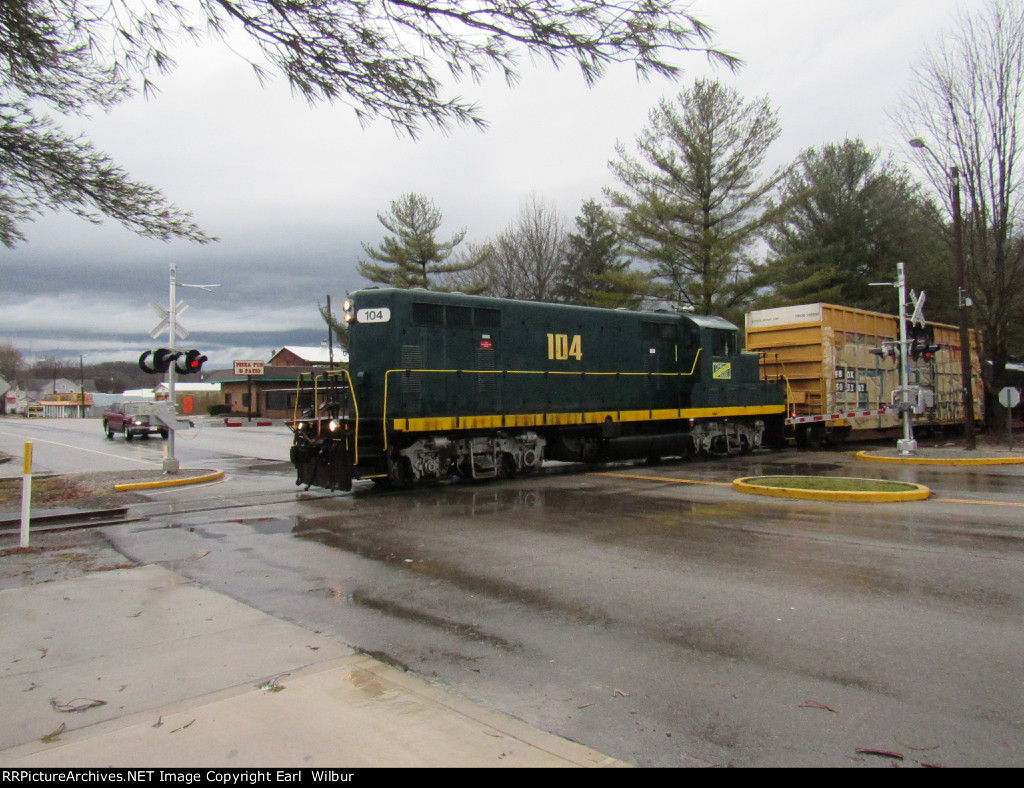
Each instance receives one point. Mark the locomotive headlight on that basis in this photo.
(350, 314)
(333, 425)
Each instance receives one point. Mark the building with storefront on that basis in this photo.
(272, 394)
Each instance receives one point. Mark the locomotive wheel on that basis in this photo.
(399, 473)
(815, 437)
(508, 468)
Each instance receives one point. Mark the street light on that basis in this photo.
(962, 300)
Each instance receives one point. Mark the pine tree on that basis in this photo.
(594, 272)
(694, 202)
(844, 217)
(412, 254)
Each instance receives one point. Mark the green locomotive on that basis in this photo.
(445, 384)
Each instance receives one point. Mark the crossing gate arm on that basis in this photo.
(853, 414)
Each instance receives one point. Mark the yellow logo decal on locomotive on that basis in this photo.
(721, 370)
(562, 347)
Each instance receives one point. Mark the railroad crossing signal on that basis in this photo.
(917, 318)
(156, 362)
(190, 363)
(180, 331)
(888, 349)
(923, 345)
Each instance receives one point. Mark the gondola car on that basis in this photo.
(445, 384)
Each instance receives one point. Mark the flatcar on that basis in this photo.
(443, 385)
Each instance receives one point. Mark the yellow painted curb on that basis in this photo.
(209, 477)
(916, 492)
(863, 455)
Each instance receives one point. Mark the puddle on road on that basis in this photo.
(461, 630)
(466, 536)
(579, 511)
(267, 525)
(784, 468)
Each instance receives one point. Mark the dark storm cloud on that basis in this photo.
(293, 191)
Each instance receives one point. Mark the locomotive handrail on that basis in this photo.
(352, 396)
(355, 407)
(298, 393)
(784, 377)
(388, 373)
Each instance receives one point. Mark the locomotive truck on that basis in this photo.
(446, 384)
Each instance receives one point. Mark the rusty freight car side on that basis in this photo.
(840, 382)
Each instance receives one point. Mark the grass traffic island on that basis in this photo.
(837, 488)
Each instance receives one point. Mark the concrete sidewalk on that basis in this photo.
(138, 667)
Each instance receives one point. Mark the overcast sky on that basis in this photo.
(292, 191)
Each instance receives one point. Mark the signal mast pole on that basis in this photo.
(171, 464)
(908, 445)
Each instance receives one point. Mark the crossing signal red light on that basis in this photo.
(156, 362)
(190, 363)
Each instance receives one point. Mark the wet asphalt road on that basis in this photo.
(655, 614)
(650, 612)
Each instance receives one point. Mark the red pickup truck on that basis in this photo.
(133, 418)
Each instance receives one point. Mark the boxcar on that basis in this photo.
(841, 386)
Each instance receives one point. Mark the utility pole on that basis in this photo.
(963, 315)
(963, 300)
(171, 463)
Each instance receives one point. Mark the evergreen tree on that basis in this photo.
(843, 219)
(694, 203)
(594, 272)
(412, 254)
(337, 326)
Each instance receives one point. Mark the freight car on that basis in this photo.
(842, 372)
(445, 384)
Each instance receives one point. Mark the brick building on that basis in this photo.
(272, 395)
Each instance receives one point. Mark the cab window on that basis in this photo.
(723, 342)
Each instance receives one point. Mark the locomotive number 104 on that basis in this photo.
(562, 347)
